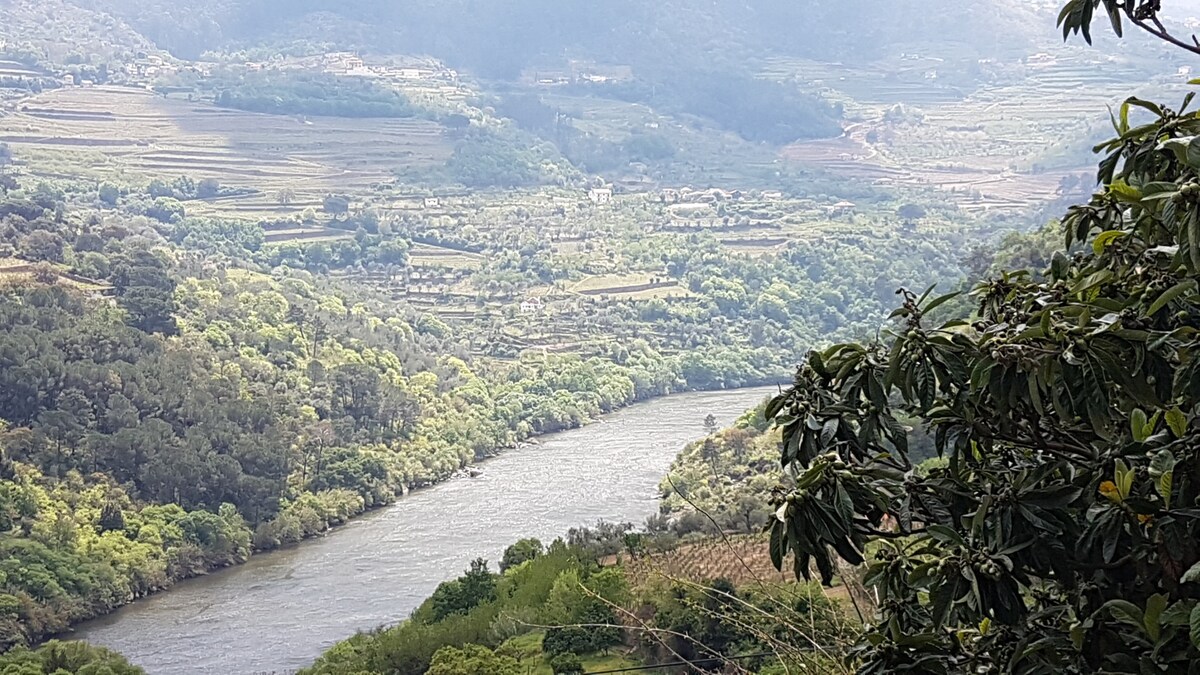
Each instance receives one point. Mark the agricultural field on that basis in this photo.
(15, 69)
(639, 285)
(425, 255)
(995, 148)
(742, 559)
(136, 135)
(543, 269)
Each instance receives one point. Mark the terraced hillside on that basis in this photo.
(1002, 144)
(99, 132)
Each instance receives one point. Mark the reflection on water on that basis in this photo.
(277, 612)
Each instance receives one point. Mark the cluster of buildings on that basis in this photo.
(579, 71)
(150, 66)
(351, 64)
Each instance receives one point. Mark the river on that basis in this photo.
(280, 610)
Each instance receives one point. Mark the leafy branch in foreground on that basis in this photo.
(1077, 15)
(1063, 533)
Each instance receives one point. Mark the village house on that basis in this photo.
(432, 202)
(344, 62)
(531, 306)
(600, 195)
(841, 208)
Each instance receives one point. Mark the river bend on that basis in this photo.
(280, 610)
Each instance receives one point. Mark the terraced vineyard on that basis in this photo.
(135, 133)
(998, 147)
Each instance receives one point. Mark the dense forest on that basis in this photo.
(306, 94)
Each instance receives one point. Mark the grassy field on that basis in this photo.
(632, 286)
(425, 255)
(99, 133)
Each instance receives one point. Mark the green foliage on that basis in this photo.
(712, 619)
(165, 210)
(65, 658)
(566, 663)
(335, 204)
(486, 159)
(1059, 534)
(757, 109)
(472, 660)
(108, 193)
(643, 146)
(508, 605)
(71, 552)
(41, 245)
(728, 476)
(305, 93)
(146, 291)
(523, 550)
(461, 595)
(1077, 17)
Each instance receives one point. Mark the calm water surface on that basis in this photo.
(280, 610)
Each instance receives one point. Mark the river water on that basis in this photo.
(280, 610)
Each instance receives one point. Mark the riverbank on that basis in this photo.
(666, 436)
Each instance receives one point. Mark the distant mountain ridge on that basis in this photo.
(499, 37)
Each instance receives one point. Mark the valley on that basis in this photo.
(275, 276)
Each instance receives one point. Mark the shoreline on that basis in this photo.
(524, 444)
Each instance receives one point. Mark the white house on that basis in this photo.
(600, 195)
(531, 306)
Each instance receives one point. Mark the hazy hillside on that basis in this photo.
(502, 37)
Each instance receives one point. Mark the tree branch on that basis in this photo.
(1158, 30)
